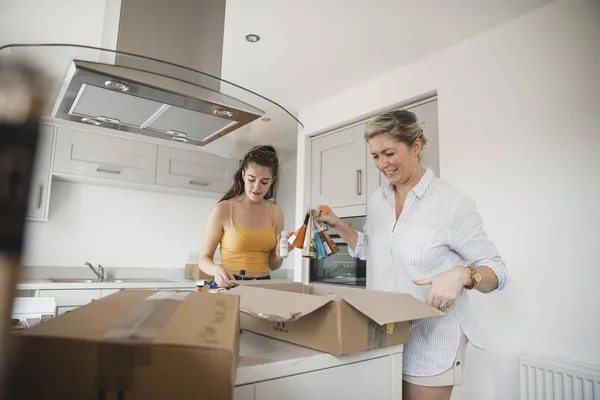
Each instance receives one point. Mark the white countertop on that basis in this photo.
(262, 358)
(38, 284)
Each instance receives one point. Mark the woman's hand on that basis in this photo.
(223, 278)
(346, 232)
(330, 219)
(445, 287)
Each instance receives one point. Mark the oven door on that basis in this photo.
(340, 268)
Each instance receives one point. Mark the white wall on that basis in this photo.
(518, 124)
(130, 228)
(116, 228)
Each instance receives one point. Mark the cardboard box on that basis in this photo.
(329, 318)
(278, 284)
(134, 344)
(194, 273)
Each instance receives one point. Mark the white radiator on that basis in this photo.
(542, 378)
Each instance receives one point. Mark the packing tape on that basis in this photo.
(376, 335)
(129, 340)
(389, 328)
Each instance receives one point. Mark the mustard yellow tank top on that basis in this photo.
(247, 249)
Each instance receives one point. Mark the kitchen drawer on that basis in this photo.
(245, 392)
(108, 292)
(71, 298)
(63, 309)
(88, 154)
(194, 170)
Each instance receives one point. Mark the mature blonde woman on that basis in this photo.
(425, 238)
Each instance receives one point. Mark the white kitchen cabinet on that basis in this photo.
(108, 292)
(431, 152)
(41, 179)
(338, 171)
(245, 392)
(70, 299)
(379, 378)
(194, 170)
(99, 156)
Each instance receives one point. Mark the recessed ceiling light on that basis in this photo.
(252, 38)
(266, 119)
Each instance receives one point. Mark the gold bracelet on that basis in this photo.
(475, 277)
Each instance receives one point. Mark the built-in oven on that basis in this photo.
(340, 268)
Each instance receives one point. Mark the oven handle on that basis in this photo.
(337, 239)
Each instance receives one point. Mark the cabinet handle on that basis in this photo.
(40, 190)
(358, 182)
(198, 183)
(110, 171)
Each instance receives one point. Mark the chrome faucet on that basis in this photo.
(99, 273)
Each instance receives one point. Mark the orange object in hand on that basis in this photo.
(301, 233)
(325, 209)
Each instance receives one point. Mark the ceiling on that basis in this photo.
(313, 49)
(309, 49)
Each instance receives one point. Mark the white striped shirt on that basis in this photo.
(438, 229)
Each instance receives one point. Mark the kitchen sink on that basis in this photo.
(123, 280)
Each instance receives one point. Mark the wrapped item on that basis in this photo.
(320, 249)
(297, 239)
(306, 248)
(312, 238)
(331, 248)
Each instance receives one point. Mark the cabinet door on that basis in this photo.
(99, 156)
(194, 170)
(372, 379)
(374, 177)
(60, 310)
(245, 392)
(108, 292)
(428, 119)
(37, 208)
(338, 176)
(70, 299)
(431, 152)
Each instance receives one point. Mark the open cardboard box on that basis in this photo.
(134, 344)
(329, 318)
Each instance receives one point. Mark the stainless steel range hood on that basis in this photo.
(163, 80)
(136, 101)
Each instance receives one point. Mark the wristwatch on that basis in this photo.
(475, 278)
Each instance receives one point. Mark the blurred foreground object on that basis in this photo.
(23, 93)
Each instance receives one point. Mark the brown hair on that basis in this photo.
(263, 155)
(402, 125)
